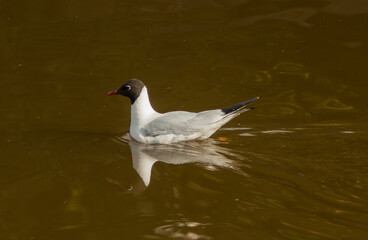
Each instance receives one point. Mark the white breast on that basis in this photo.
(141, 114)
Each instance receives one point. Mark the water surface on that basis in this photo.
(293, 168)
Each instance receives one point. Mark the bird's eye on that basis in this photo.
(127, 88)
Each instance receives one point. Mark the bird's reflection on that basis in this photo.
(205, 152)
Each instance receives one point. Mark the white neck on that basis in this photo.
(141, 109)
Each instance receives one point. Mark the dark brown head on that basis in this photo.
(131, 89)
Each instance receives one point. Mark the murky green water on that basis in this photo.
(294, 168)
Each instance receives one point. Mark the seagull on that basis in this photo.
(150, 127)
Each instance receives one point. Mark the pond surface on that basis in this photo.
(294, 168)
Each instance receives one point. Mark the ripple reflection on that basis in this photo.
(182, 230)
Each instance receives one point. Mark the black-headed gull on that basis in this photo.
(150, 127)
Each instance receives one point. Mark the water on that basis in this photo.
(293, 168)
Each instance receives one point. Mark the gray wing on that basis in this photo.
(182, 123)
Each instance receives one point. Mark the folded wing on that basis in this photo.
(182, 123)
(188, 123)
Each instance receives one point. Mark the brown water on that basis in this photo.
(294, 168)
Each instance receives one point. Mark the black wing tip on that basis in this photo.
(238, 106)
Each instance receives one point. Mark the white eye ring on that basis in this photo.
(127, 87)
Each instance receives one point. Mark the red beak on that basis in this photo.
(113, 92)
